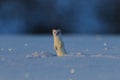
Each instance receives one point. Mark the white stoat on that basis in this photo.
(58, 43)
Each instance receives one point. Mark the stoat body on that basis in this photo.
(58, 43)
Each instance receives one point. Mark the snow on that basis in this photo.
(72, 71)
(26, 44)
(86, 59)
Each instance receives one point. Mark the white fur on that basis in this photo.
(58, 43)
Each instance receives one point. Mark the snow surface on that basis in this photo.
(33, 58)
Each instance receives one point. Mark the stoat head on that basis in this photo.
(56, 32)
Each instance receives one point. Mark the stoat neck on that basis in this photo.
(57, 37)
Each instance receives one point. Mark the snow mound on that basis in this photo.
(105, 56)
(39, 55)
(78, 54)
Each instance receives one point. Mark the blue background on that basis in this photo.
(72, 16)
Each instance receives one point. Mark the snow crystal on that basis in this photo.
(9, 50)
(72, 71)
(25, 44)
(105, 44)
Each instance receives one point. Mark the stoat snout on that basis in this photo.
(56, 32)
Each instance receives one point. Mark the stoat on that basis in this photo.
(58, 43)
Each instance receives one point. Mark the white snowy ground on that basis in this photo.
(33, 58)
